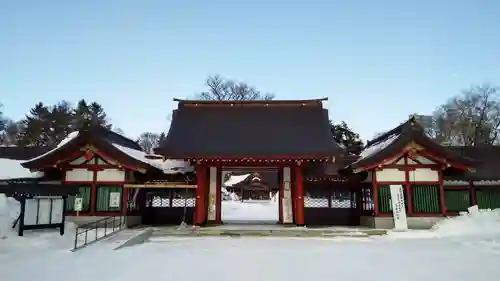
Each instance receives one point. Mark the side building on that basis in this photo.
(108, 167)
(438, 181)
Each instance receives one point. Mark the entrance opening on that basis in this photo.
(250, 196)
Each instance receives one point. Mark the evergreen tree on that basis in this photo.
(61, 118)
(347, 138)
(81, 115)
(37, 124)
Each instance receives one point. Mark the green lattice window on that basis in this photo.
(103, 198)
(488, 198)
(456, 200)
(425, 198)
(84, 192)
(384, 199)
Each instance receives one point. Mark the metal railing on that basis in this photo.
(92, 232)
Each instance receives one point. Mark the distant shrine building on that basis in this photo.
(318, 182)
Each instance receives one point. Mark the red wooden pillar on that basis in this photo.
(93, 193)
(473, 193)
(201, 185)
(407, 187)
(375, 193)
(124, 200)
(441, 193)
(299, 196)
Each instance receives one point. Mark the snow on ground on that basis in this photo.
(10, 242)
(255, 210)
(451, 252)
(261, 259)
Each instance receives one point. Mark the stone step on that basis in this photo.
(277, 232)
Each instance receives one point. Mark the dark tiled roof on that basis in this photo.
(329, 169)
(487, 165)
(258, 130)
(21, 153)
(98, 136)
(393, 141)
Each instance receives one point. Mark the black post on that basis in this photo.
(22, 212)
(63, 219)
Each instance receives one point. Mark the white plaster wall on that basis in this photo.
(390, 175)
(424, 174)
(79, 175)
(111, 175)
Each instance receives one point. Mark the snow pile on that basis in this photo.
(480, 223)
(9, 211)
(275, 197)
(12, 169)
(229, 195)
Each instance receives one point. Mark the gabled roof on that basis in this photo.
(395, 141)
(112, 144)
(249, 129)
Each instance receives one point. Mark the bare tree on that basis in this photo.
(3, 120)
(12, 132)
(472, 118)
(220, 88)
(148, 141)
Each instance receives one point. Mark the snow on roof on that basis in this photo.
(67, 139)
(12, 169)
(255, 178)
(377, 147)
(236, 179)
(168, 166)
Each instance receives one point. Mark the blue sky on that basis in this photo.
(376, 61)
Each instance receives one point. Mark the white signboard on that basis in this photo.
(398, 207)
(78, 205)
(114, 199)
(42, 210)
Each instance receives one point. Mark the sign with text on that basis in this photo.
(114, 199)
(398, 207)
(78, 204)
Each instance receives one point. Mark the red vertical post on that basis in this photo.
(441, 194)
(124, 200)
(93, 193)
(200, 208)
(375, 193)
(299, 196)
(473, 194)
(407, 187)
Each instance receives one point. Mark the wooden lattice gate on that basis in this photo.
(331, 204)
(169, 206)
